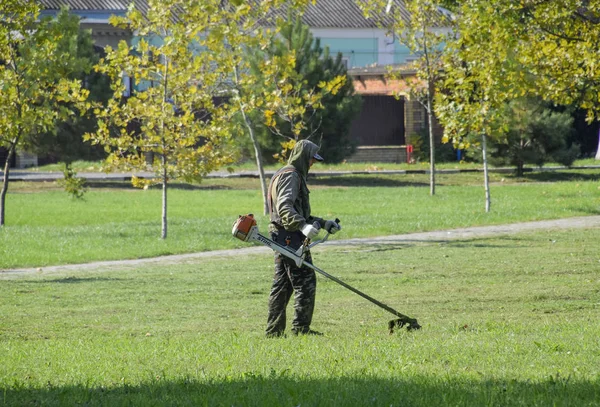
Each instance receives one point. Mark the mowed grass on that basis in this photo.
(507, 321)
(44, 226)
(250, 165)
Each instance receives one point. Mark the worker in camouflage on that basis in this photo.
(291, 223)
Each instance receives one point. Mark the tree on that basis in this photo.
(175, 120)
(559, 43)
(554, 45)
(424, 31)
(534, 135)
(36, 90)
(329, 123)
(65, 142)
(278, 94)
(471, 100)
(513, 49)
(188, 65)
(273, 95)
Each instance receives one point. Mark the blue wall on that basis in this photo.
(97, 16)
(401, 52)
(358, 51)
(361, 52)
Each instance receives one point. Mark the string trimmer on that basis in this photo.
(246, 229)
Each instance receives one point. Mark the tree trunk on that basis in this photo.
(486, 177)
(520, 168)
(259, 160)
(257, 152)
(430, 91)
(431, 145)
(163, 233)
(520, 162)
(11, 152)
(598, 151)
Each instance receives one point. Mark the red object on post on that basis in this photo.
(409, 150)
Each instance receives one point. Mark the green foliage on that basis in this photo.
(421, 148)
(174, 126)
(315, 73)
(534, 134)
(509, 50)
(73, 185)
(65, 141)
(169, 119)
(558, 44)
(451, 5)
(36, 87)
(470, 103)
(190, 60)
(471, 99)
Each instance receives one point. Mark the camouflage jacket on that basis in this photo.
(289, 197)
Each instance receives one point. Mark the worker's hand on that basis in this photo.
(331, 226)
(309, 231)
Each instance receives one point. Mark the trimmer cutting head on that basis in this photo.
(410, 324)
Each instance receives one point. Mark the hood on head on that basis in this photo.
(301, 155)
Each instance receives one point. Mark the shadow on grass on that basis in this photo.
(556, 176)
(275, 390)
(364, 181)
(483, 242)
(76, 280)
(589, 211)
(405, 243)
(175, 185)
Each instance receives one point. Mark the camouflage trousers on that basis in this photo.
(290, 279)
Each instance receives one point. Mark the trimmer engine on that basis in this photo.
(242, 228)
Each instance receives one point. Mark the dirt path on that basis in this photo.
(443, 235)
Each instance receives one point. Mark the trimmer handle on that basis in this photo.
(338, 221)
(318, 226)
(307, 244)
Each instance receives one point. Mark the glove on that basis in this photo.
(309, 231)
(331, 226)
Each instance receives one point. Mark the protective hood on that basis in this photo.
(301, 155)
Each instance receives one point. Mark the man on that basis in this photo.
(292, 223)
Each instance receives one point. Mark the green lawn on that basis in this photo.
(507, 321)
(44, 226)
(93, 166)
